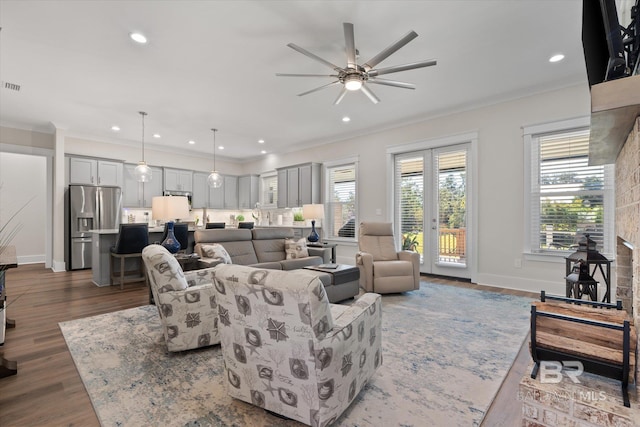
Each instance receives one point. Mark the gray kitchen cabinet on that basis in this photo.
(248, 191)
(230, 192)
(199, 197)
(88, 171)
(178, 180)
(299, 185)
(140, 194)
(216, 197)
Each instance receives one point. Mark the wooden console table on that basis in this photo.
(8, 260)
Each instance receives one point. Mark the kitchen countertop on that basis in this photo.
(116, 231)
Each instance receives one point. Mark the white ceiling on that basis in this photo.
(213, 64)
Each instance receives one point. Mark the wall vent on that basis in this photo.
(11, 86)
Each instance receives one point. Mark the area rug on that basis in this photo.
(446, 351)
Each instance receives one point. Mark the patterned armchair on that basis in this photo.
(289, 351)
(186, 302)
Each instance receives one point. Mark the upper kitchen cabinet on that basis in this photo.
(299, 185)
(199, 197)
(216, 197)
(178, 180)
(140, 194)
(87, 171)
(230, 192)
(248, 192)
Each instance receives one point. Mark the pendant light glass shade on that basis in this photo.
(214, 179)
(143, 171)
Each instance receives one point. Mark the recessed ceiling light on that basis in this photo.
(261, 141)
(191, 141)
(138, 37)
(263, 152)
(115, 128)
(346, 119)
(556, 58)
(156, 135)
(221, 147)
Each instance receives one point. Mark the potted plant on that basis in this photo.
(240, 218)
(298, 218)
(410, 242)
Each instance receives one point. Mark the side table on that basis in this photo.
(344, 280)
(325, 245)
(8, 260)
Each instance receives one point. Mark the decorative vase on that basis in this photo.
(171, 243)
(313, 236)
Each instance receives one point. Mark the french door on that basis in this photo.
(432, 202)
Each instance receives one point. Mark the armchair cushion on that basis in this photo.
(296, 248)
(164, 271)
(282, 348)
(188, 315)
(376, 238)
(216, 251)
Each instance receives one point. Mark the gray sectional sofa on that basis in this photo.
(265, 248)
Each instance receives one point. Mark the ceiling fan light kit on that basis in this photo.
(355, 77)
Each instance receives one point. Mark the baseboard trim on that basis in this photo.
(58, 266)
(31, 259)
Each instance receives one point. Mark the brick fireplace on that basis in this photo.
(628, 224)
(595, 401)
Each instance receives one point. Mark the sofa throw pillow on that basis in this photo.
(217, 251)
(296, 248)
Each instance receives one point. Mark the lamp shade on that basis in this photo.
(313, 211)
(168, 208)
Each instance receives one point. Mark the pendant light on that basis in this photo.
(142, 171)
(215, 179)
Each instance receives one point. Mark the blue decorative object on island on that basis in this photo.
(313, 212)
(171, 243)
(313, 236)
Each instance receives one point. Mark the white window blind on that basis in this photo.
(569, 198)
(409, 194)
(341, 202)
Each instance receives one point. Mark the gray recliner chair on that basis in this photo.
(384, 269)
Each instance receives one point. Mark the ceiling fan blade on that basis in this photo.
(398, 68)
(392, 83)
(319, 88)
(343, 92)
(350, 43)
(389, 50)
(370, 94)
(306, 75)
(313, 56)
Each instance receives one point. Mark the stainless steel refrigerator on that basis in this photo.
(90, 208)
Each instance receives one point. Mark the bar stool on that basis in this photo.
(132, 238)
(248, 224)
(215, 225)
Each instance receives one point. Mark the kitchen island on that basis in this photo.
(101, 244)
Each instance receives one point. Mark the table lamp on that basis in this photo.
(313, 212)
(168, 208)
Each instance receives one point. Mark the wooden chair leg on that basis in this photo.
(122, 273)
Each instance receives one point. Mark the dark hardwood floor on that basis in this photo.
(47, 391)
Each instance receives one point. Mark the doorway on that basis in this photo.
(432, 206)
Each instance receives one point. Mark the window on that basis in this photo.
(568, 197)
(269, 190)
(341, 201)
(409, 191)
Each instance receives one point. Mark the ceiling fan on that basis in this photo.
(356, 77)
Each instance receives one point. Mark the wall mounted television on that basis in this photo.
(610, 50)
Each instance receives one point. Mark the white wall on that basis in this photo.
(24, 182)
(500, 177)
